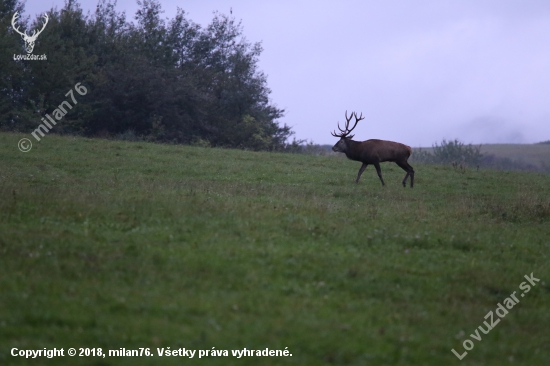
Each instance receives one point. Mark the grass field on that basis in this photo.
(111, 244)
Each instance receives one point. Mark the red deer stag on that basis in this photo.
(372, 151)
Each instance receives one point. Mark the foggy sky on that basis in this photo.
(419, 71)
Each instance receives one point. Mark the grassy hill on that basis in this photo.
(111, 244)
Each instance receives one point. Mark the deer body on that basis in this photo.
(373, 152)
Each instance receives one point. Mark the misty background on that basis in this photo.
(419, 71)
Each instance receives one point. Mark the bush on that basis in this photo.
(450, 152)
(457, 152)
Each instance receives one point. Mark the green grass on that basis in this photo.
(116, 244)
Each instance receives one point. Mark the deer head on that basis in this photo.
(345, 133)
(29, 40)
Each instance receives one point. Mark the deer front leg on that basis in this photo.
(361, 170)
(379, 171)
(405, 179)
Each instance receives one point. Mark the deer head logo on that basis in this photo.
(29, 40)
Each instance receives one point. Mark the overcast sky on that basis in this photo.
(419, 71)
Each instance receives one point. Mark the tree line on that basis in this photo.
(162, 80)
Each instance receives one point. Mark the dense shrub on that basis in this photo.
(450, 152)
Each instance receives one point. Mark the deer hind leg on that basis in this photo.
(410, 172)
(361, 170)
(377, 166)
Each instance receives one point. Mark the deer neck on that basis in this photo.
(352, 151)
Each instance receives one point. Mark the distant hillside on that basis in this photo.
(519, 157)
(537, 155)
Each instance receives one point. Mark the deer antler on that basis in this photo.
(13, 21)
(346, 131)
(35, 33)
